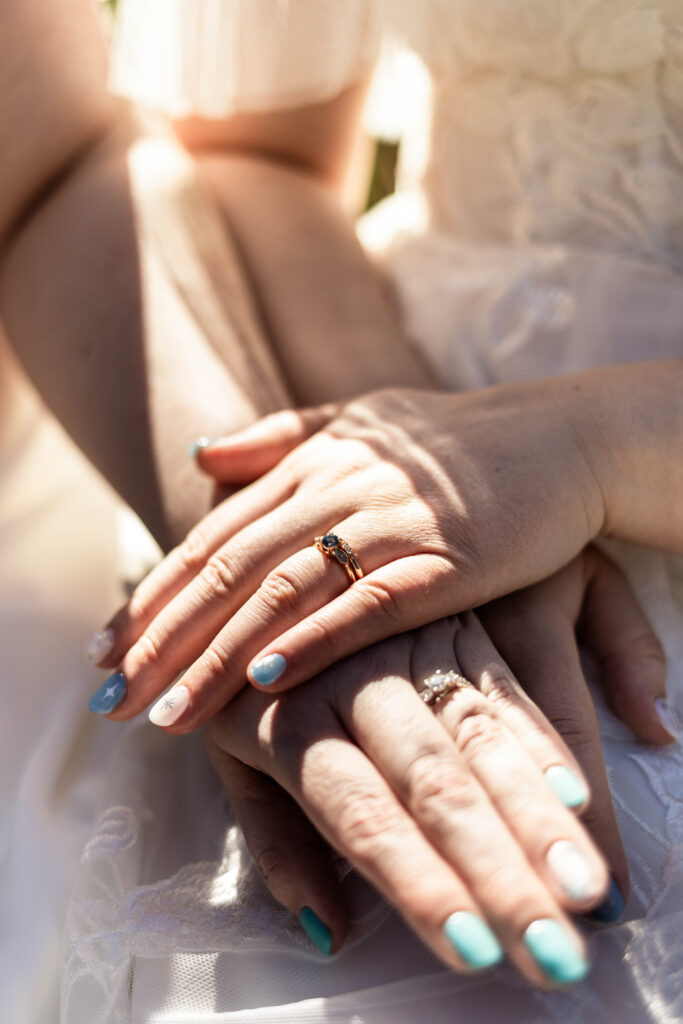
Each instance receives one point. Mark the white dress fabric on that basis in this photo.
(537, 229)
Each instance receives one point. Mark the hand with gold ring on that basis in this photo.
(445, 500)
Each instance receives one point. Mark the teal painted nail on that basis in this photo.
(109, 695)
(319, 934)
(567, 785)
(555, 952)
(473, 940)
(268, 669)
(196, 446)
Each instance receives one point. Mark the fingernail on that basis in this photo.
(267, 670)
(109, 695)
(555, 951)
(611, 907)
(567, 785)
(473, 940)
(669, 717)
(319, 934)
(98, 646)
(573, 870)
(195, 447)
(170, 707)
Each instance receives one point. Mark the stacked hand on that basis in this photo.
(404, 478)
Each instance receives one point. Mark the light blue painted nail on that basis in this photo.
(555, 952)
(268, 669)
(611, 907)
(567, 785)
(196, 446)
(319, 934)
(109, 695)
(472, 938)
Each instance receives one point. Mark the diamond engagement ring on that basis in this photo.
(334, 547)
(439, 686)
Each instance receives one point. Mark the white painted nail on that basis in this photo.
(98, 646)
(171, 706)
(573, 871)
(669, 718)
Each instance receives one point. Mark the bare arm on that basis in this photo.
(122, 280)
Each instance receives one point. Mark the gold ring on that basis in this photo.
(439, 686)
(334, 547)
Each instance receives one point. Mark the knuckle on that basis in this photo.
(499, 688)
(322, 638)
(193, 552)
(219, 577)
(476, 733)
(437, 784)
(646, 647)
(294, 729)
(378, 597)
(577, 732)
(148, 652)
(215, 662)
(272, 864)
(279, 592)
(367, 821)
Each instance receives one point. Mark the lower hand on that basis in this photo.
(450, 814)
(538, 629)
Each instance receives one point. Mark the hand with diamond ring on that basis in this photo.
(447, 811)
(537, 631)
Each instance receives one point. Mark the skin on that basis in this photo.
(536, 628)
(124, 239)
(403, 784)
(403, 477)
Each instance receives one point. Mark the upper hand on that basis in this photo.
(447, 500)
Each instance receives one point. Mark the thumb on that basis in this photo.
(290, 856)
(247, 454)
(633, 665)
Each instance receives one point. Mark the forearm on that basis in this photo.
(134, 321)
(125, 297)
(331, 318)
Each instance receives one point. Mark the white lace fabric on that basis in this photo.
(536, 230)
(559, 121)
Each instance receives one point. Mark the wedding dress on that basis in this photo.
(537, 229)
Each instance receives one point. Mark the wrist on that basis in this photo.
(628, 423)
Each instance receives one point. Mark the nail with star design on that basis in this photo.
(109, 695)
(171, 706)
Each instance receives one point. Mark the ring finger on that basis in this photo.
(555, 843)
(435, 781)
